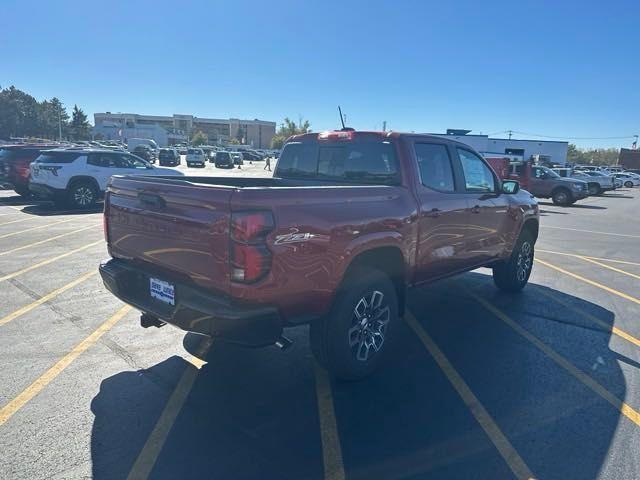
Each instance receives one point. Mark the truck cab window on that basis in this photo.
(477, 175)
(434, 166)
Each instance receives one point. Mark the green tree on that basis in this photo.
(18, 114)
(278, 141)
(199, 138)
(592, 156)
(80, 127)
(288, 128)
(234, 141)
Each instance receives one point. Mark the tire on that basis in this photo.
(82, 195)
(512, 275)
(594, 189)
(561, 196)
(628, 184)
(349, 348)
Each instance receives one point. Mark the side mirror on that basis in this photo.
(510, 187)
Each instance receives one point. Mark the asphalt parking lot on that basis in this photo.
(481, 384)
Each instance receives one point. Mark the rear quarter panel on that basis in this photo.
(319, 230)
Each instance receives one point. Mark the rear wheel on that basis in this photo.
(628, 184)
(513, 274)
(561, 196)
(354, 338)
(82, 195)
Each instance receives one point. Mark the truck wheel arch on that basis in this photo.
(531, 225)
(387, 259)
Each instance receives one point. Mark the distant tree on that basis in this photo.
(199, 138)
(592, 156)
(52, 112)
(18, 114)
(80, 127)
(234, 141)
(288, 128)
(278, 141)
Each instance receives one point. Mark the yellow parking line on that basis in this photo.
(47, 377)
(152, 447)
(608, 327)
(625, 262)
(47, 262)
(17, 221)
(590, 282)
(561, 361)
(6, 235)
(331, 449)
(592, 231)
(6, 252)
(46, 298)
(488, 424)
(595, 262)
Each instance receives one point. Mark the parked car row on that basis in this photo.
(78, 178)
(564, 186)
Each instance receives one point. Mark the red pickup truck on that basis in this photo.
(349, 221)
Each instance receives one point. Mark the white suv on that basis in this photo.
(195, 157)
(79, 177)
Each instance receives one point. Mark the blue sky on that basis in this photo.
(557, 68)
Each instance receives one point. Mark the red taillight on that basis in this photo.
(249, 227)
(250, 257)
(105, 218)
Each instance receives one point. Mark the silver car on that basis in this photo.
(598, 182)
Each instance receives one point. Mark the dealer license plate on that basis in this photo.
(163, 291)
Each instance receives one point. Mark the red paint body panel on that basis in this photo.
(318, 232)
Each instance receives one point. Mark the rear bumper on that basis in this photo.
(44, 191)
(195, 310)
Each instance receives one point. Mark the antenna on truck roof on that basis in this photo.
(344, 129)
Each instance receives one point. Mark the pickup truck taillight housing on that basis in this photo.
(250, 257)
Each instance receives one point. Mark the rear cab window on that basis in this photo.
(368, 162)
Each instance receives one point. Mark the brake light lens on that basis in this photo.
(250, 226)
(105, 218)
(335, 135)
(250, 257)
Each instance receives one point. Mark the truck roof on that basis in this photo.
(348, 134)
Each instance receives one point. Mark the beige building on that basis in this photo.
(179, 128)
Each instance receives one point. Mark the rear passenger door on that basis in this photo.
(101, 166)
(487, 213)
(442, 213)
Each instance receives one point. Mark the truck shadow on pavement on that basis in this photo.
(252, 413)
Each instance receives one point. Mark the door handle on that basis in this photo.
(433, 213)
(475, 209)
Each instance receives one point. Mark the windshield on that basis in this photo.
(550, 172)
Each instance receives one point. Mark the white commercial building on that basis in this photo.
(556, 152)
(169, 130)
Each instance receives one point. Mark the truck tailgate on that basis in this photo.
(172, 226)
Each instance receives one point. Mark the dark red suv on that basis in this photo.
(14, 165)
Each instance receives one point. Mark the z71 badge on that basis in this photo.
(293, 237)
